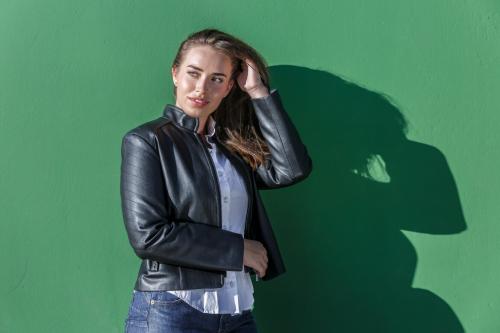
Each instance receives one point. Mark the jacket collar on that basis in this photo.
(210, 126)
(179, 117)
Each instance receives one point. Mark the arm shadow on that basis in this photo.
(350, 266)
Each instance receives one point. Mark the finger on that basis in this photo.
(263, 257)
(256, 264)
(263, 265)
(264, 253)
(261, 269)
(250, 64)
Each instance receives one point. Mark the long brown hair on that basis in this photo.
(237, 127)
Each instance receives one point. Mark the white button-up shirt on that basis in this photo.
(236, 294)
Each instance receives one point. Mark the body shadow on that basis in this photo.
(350, 267)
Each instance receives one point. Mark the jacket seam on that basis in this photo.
(281, 140)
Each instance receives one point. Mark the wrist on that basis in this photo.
(258, 92)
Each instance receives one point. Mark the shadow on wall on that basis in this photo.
(350, 267)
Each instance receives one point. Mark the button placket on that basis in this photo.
(225, 190)
(231, 279)
(230, 192)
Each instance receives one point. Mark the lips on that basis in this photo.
(198, 101)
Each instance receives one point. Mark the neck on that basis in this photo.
(202, 125)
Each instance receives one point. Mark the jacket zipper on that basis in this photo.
(217, 197)
(214, 176)
(250, 202)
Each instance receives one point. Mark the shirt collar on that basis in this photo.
(210, 131)
(210, 126)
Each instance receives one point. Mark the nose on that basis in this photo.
(201, 85)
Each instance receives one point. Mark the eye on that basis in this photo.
(193, 74)
(218, 79)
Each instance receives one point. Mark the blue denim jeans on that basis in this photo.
(163, 312)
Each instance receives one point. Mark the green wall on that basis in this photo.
(394, 231)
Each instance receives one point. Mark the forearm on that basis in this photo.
(153, 233)
(289, 161)
(188, 244)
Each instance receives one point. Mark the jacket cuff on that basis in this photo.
(263, 99)
(236, 251)
(240, 252)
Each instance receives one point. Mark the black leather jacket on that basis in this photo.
(171, 202)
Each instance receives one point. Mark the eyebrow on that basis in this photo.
(201, 70)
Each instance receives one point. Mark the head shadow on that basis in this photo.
(350, 266)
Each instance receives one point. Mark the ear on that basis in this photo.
(174, 75)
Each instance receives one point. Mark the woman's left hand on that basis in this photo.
(249, 80)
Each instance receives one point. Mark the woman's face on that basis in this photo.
(202, 81)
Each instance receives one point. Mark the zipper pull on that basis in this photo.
(154, 267)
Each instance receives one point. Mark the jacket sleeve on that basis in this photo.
(289, 162)
(152, 233)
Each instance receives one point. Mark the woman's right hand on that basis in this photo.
(255, 256)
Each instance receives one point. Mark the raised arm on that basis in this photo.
(152, 233)
(289, 162)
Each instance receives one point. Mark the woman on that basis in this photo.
(189, 182)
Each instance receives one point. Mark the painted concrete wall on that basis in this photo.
(393, 232)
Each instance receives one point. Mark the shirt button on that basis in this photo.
(231, 284)
(219, 173)
(225, 199)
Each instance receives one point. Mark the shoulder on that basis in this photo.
(147, 131)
